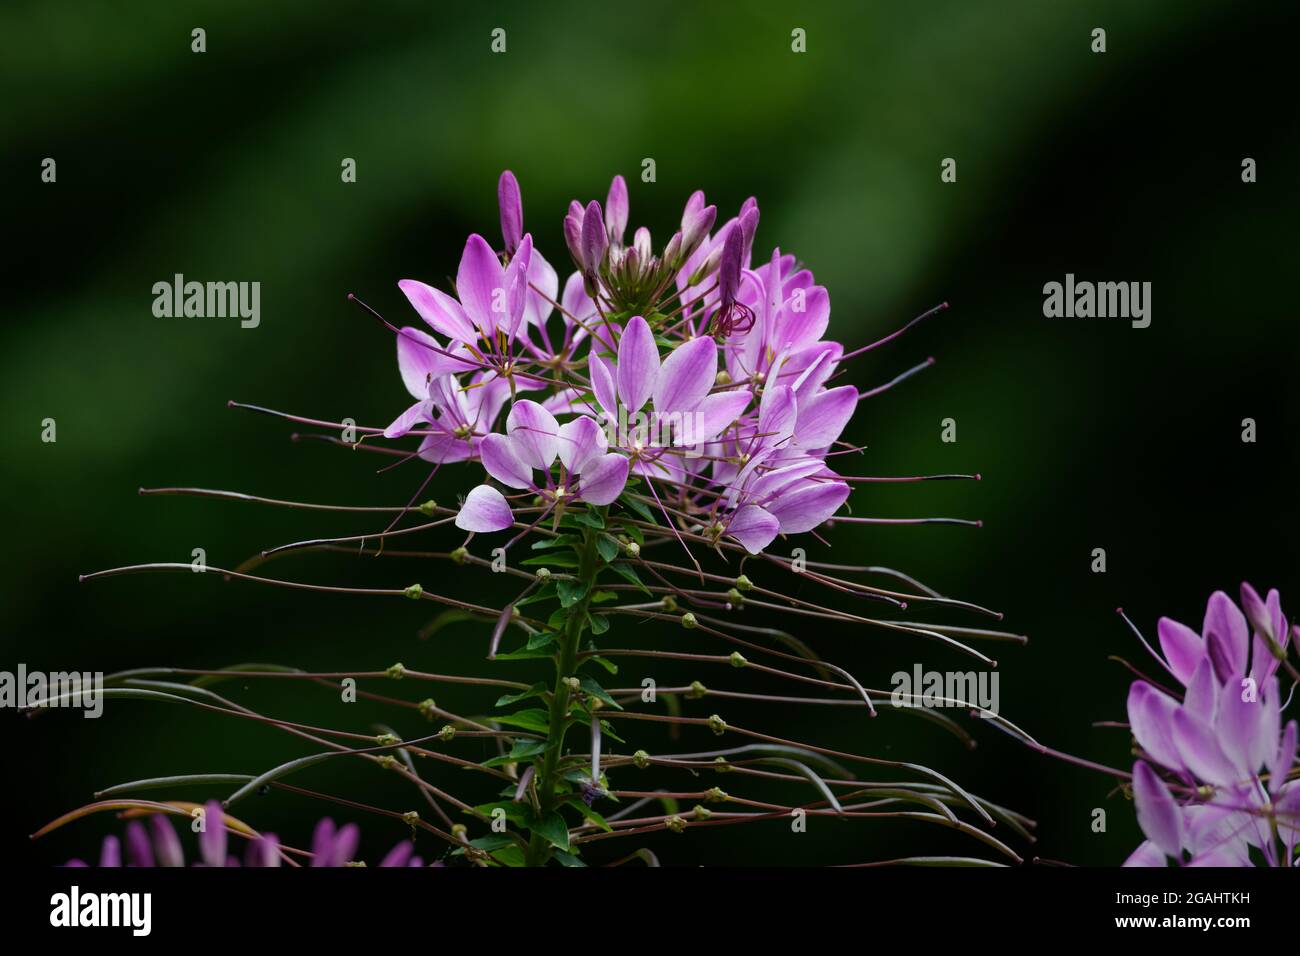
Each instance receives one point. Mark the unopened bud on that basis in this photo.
(717, 725)
(397, 671)
(640, 760)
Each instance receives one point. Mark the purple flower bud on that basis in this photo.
(616, 210)
(748, 226)
(573, 233)
(642, 244)
(512, 211)
(594, 240)
(697, 220)
(729, 266)
(673, 251)
(1260, 614)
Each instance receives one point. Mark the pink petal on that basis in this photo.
(440, 310)
(777, 413)
(1157, 814)
(445, 448)
(686, 376)
(638, 364)
(799, 329)
(579, 311)
(485, 509)
(603, 479)
(823, 416)
(534, 432)
(1183, 648)
(1202, 697)
(404, 422)
(515, 282)
(1151, 718)
(1200, 750)
(1283, 759)
(1147, 854)
(1237, 724)
(544, 287)
(602, 383)
(716, 412)
(808, 506)
(1225, 620)
(212, 841)
(420, 359)
(503, 461)
(580, 440)
(480, 279)
(1281, 762)
(754, 527)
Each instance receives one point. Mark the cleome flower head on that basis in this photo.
(707, 379)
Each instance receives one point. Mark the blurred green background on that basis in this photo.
(225, 166)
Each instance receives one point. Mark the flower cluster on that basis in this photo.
(1212, 788)
(689, 368)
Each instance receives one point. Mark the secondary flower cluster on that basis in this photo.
(158, 845)
(689, 368)
(1213, 788)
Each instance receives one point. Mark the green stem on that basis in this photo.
(566, 662)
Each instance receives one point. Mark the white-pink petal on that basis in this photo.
(485, 509)
(686, 376)
(638, 364)
(754, 527)
(580, 440)
(535, 433)
(503, 462)
(603, 479)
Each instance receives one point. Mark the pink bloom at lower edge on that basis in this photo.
(156, 844)
(1223, 750)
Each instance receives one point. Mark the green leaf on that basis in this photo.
(639, 507)
(553, 828)
(509, 856)
(599, 623)
(600, 597)
(567, 859)
(544, 593)
(628, 573)
(555, 542)
(608, 730)
(607, 547)
(525, 654)
(551, 561)
(522, 750)
(537, 690)
(602, 661)
(581, 806)
(570, 592)
(595, 690)
(534, 718)
(590, 518)
(541, 639)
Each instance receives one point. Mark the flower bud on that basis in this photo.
(512, 211)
